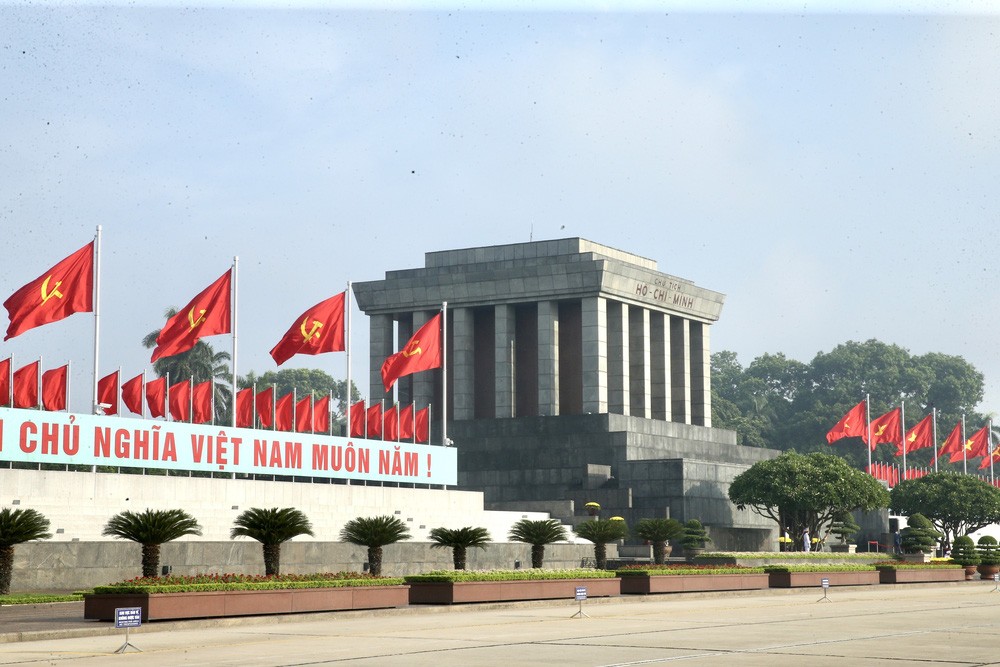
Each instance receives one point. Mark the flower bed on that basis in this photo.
(911, 573)
(795, 576)
(206, 596)
(454, 587)
(646, 579)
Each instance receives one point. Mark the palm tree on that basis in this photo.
(201, 363)
(18, 526)
(460, 539)
(658, 532)
(374, 533)
(151, 528)
(271, 528)
(537, 533)
(600, 532)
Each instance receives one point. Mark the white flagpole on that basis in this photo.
(118, 393)
(211, 388)
(253, 418)
(444, 373)
(295, 410)
(347, 349)
(142, 396)
(38, 382)
(965, 468)
(10, 382)
(989, 447)
(934, 412)
(191, 400)
(413, 419)
(868, 419)
(274, 407)
(97, 314)
(166, 400)
(236, 261)
(902, 426)
(69, 377)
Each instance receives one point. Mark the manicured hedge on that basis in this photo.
(918, 566)
(788, 555)
(667, 570)
(34, 598)
(243, 582)
(850, 567)
(506, 575)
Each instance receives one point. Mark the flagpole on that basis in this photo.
(295, 410)
(347, 349)
(166, 400)
(69, 377)
(965, 468)
(236, 261)
(97, 314)
(444, 373)
(118, 393)
(868, 419)
(934, 412)
(413, 415)
(274, 407)
(191, 400)
(902, 426)
(989, 445)
(38, 381)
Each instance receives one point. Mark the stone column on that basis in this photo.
(618, 359)
(594, 342)
(381, 345)
(701, 374)
(639, 361)
(548, 358)
(659, 365)
(423, 382)
(462, 364)
(404, 385)
(503, 351)
(680, 370)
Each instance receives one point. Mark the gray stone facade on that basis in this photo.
(576, 372)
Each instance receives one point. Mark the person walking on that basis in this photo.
(806, 542)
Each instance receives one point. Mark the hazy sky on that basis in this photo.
(834, 174)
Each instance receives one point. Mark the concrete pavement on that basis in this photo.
(953, 624)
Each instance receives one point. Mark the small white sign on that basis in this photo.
(128, 617)
(825, 582)
(581, 592)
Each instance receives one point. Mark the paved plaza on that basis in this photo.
(951, 624)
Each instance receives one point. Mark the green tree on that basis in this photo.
(694, 536)
(601, 532)
(919, 535)
(955, 504)
(844, 526)
(460, 540)
(201, 364)
(374, 533)
(18, 526)
(658, 532)
(965, 553)
(805, 491)
(538, 533)
(272, 528)
(151, 528)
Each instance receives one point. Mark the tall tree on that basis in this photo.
(16, 527)
(202, 363)
(956, 504)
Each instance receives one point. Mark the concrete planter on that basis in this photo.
(806, 579)
(458, 592)
(890, 576)
(214, 604)
(691, 583)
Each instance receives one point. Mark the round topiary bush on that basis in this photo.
(919, 536)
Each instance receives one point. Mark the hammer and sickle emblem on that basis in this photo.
(195, 321)
(313, 333)
(412, 349)
(46, 294)
(880, 431)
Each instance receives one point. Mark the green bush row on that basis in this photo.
(449, 576)
(659, 572)
(35, 598)
(247, 586)
(848, 567)
(917, 566)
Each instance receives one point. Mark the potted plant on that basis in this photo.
(964, 553)
(919, 538)
(657, 532)
(593, 509)
(989, 557)
(694, 538)
(844, 527)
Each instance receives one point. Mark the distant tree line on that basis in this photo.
(783, 404)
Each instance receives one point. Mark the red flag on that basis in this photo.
(406, 423)
(54, 388)
(244, 408)
(26, 386)
(201, 396)
(321, 415)
(887, 428)
(320, 329)
(107, 393)
(5, 382)
(156, 397)
(180, 401)
(358, 415)
(304, 414)
(423, 428)
(132, 394)
(851, 425)
(207, 314)
(920, 436)
(390, 424)
(283, 418)
(953, 443)
(66, 288)
(421, 353)
(991, 458)
(374, 421)
(978, 444)
(264, 402)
